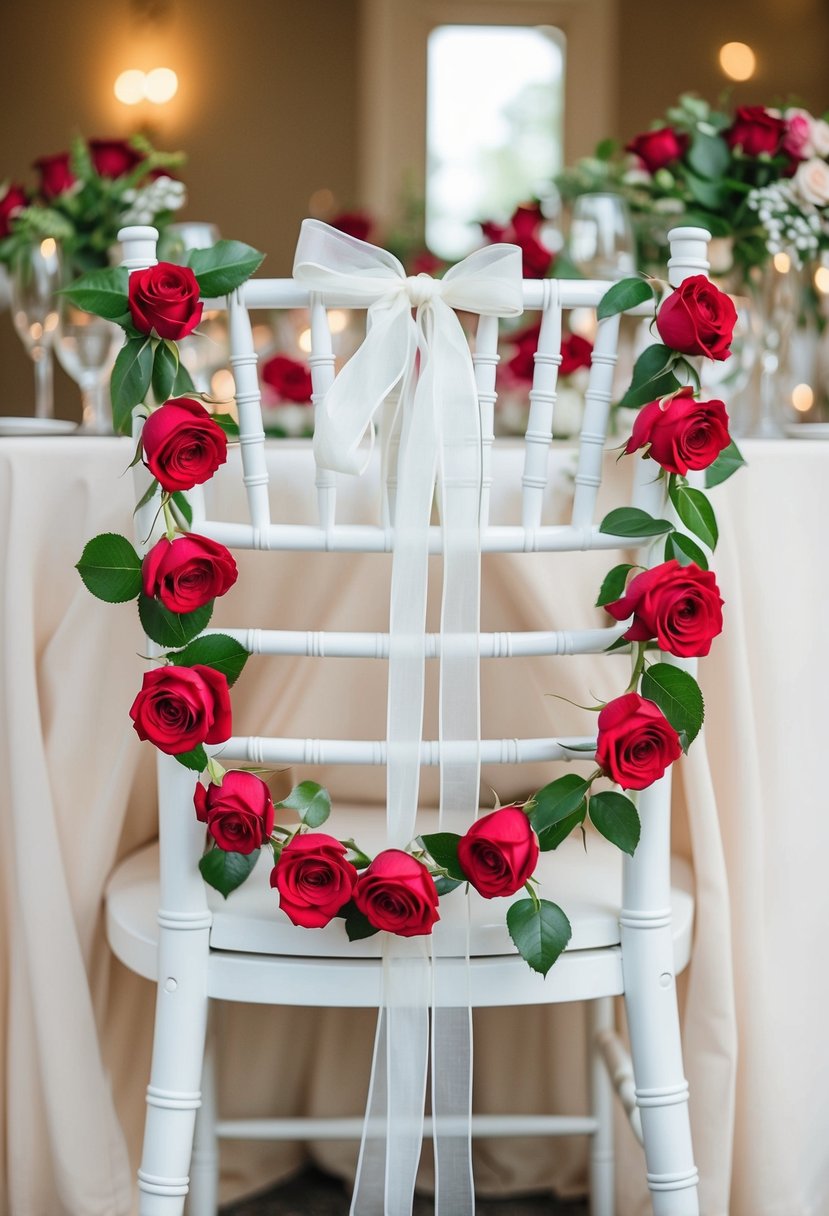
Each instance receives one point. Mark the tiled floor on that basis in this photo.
(314, 1194)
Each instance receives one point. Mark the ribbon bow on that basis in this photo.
(415, 341)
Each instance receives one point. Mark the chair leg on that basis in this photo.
(203, 1199)
(173, 1095)
(656, 1051)
(600, 1017)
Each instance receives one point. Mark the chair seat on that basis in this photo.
(586, 883)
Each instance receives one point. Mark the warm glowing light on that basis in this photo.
(822, 279)
(803, 398)
(583, 322)
(737, 60)
(337, 320)
(782, 263)
(50, 322)
(262, 338)
(48, 247)
(129, 87)
(161, 85)
(321, 202)
(222, 385)
(304, 341)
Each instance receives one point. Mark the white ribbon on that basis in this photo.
(437, 426)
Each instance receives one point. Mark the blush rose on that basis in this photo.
(182, 445)
(187, 573)
(636, 742)
(683, 433)
(680, 606)
(239, 813)
(658, 149)
(314, 879)
(698, 319)
(164, 300)
(811, 181)
(398, 894)
(180, 707)
(499, 852)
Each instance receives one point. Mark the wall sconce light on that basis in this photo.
(157, 86)
(737, 60)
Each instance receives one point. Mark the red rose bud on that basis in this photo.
(354, 223)
(180, 707)
(636, 742)
(698, 319)
(182, 445)
(397, 893)
(683, 433)
(313, 879)
(658, 149)
(13, 201)
(680, 606)
(499, 852)
(55, 175)
(113, 157)
(755, 131)
(289, 379)
(239, 813)
(164, 300)
(187, 573)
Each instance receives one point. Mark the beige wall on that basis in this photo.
(268, 104)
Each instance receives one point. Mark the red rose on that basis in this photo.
(164, 300)
(656, 149)
(576, 352)
(426, 262)
(313, 879)
(13, 200)
(55, 174)
(239, 813)
(499, 852)
(636, 742)
(397, 893)
(354, 223)
(180, 707)
(522, 229)
(680, 606)
(289, 379)
(683, 433)
(182, 445)
(755, 131)
(113, 157)
(698, 319)
(187, 573)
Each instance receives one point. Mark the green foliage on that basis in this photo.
(226, 871)
(165, 370)
(357, 926)
(684, 550)
(130, 380)
(101, 292)
(111, 568)
(613, 585)
(678, 696)
(560, 801)
(195, 759)
(625, 294)
(223, 267)
(652, 378)
(216, 650)
(631, 522)
(729, 461)
(616, 817)
(540, 932)
(443, 848)
(171, 629)
(311, 801)
(695, 511)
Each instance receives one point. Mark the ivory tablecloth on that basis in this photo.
(77, 795)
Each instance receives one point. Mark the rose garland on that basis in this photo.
(673, 607)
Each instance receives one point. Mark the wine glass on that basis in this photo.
(86, 347)
(601, 237)
(35, 281)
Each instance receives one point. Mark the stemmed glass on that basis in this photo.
(86, 347)
(35, 281)
(602, 244)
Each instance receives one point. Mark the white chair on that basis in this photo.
(631, 929)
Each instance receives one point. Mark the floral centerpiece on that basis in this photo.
(758, 176)
(84, 196)
(672, 607)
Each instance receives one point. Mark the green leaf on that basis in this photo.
(311, 801)
(196, 759)
(226, 871)
(224, 266)
(216, 650)
(552, 837)
(729, 461)
(181, 504)
(630, 521)
(652, 377)
(130, 381)
(706, 193)
(228, 424)
(678, 696)
(616, 817)
(709, 155)
(539, 932)
(104, 293)
(110, 568)
(605, 149)
(183, 384)
(613, 586)
(445, 886)
(357, 926)
(171, 629)
(165, 368)
(684, 550)
(625, 294)
(443, 848)
(557, 801)
(696, 512)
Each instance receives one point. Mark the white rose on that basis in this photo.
(811, 181)
(820, 136)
